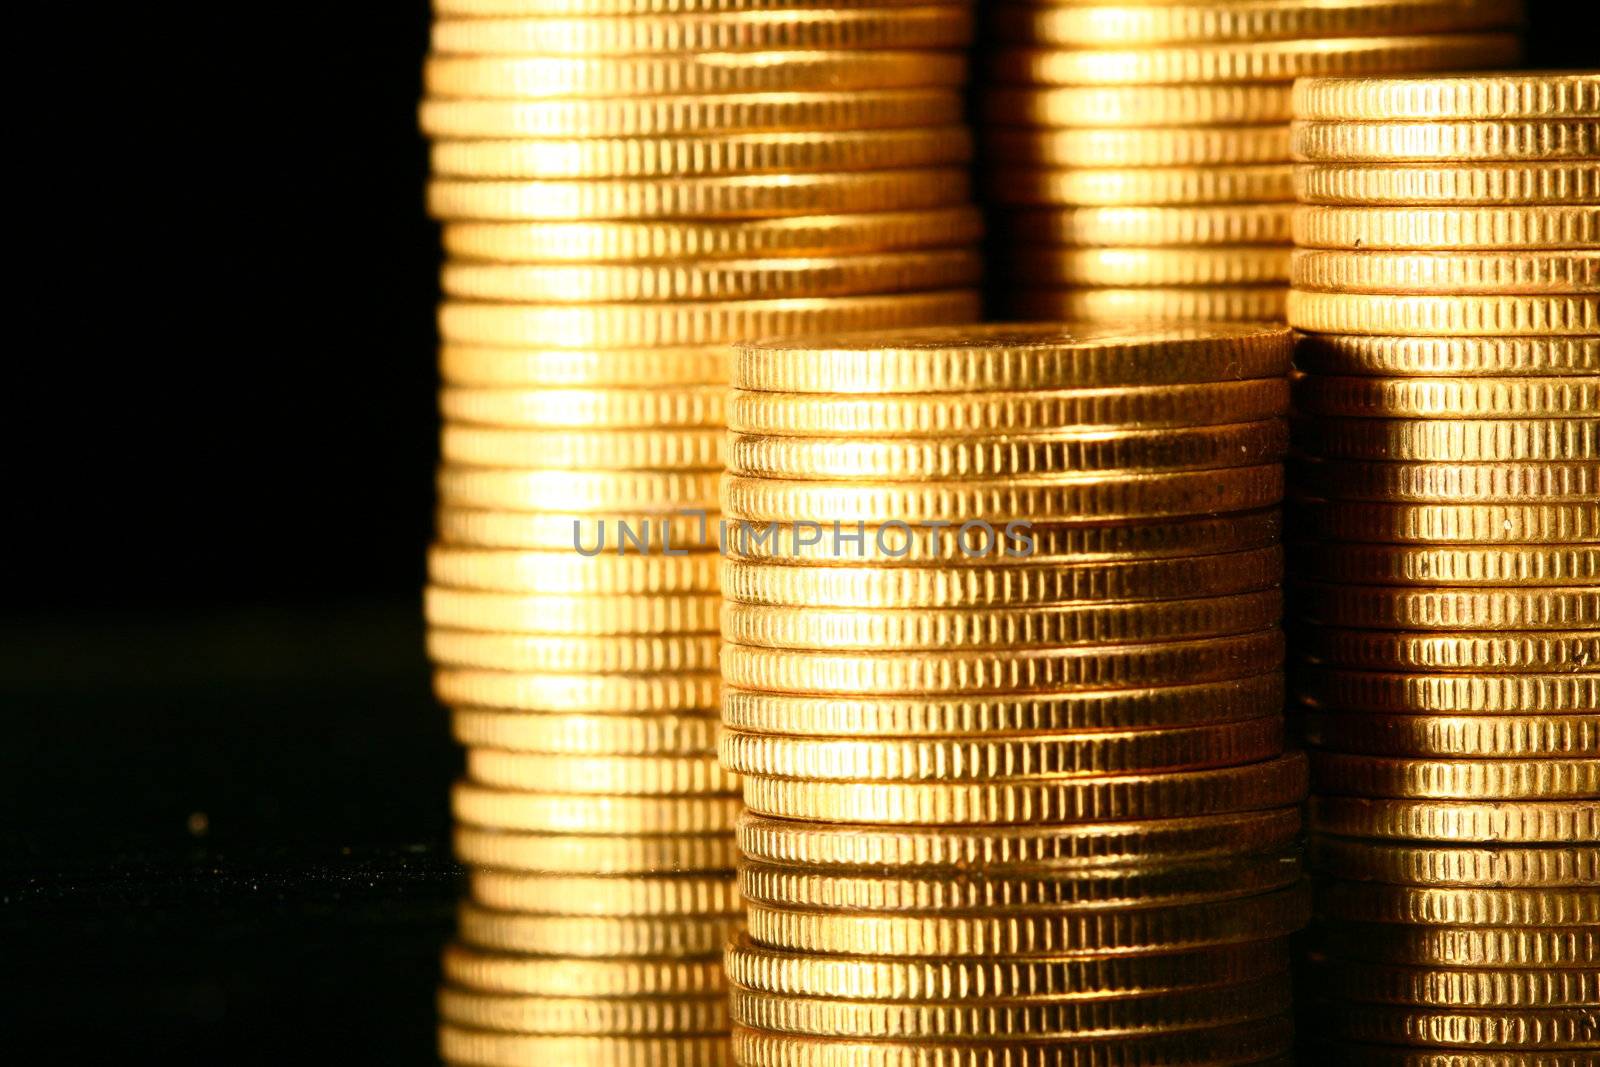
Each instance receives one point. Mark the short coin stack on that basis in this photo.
(1448, 278)
(626, 187)
(1002, 680)
(1138, 153)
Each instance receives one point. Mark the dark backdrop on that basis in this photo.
(224, 779)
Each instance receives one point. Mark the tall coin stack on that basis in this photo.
(1448, 278)
(1137, 155)
(626, 187)
(1003, 684)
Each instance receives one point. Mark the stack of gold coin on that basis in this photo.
(1003, 683)
(1137, 154)
(1448, 280)
(626, 187)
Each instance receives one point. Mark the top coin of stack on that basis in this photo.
(626, 187)
(1140, 152)
(1448, 278)
(1003, 686)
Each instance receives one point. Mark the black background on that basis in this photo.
(224, 779)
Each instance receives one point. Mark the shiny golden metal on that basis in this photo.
(1070, 848)
(1157, 706)
(1273, 783)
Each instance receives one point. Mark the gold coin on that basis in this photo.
(950, 546)
(1434, 97)
(1410, 228)
(1550, 822)
(1173, 1010)
(684, 407)
(481, 446)
(592, 935)
(1198, 304)
(1447, 356)
(665, 368)
(643, 1016)
(1212, 1046)
(738, 196)
(623, 694)
(1466, 398)
(636, 115)
(586, 735)
(485, 1048)
(553, 813)
(999, 670)
(1151, 708)
(603, 775)
(552, 531)
(1097, 889)
(1449, 314)
(1447, 694)
(875, 629)
(633, 95)
(1362, 185)
(567, 8)
(1458, 987)
(569, 616)
(704, 155)
(689, 239)
(1494, 1029)
(1136, 105)
(1023, 582)
(470, 968)
(1255, 21)
(999, 759)
(1136, 226)
(1442, 440)
(759, 967)
(1223, 265)
(1011, 357)
(722, 31)
(1452, 565)
(1273, 783)
(556, 573)
(1419, 523)
(1455, 736)
(1449, 482)
(1101, 497)
(1226, 445)
(1108, 844)
(1244, 61)
(1484, 139)
(1455, 779)
(1450, 608)
(687, 323)
(1501, 651)
(1447, 272)
(1506, 947)
(591, 855)
(576, 491)
(572, 895)
(1257, 918)
(572, 654)
(1155, 146)
(1132, 407)
(1454, 906)
(1430, 865)
(748, 279)
(1141, 186)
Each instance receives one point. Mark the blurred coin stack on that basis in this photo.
(1136, 156)
(626, 187)
(1448, 280)
(1003, 683)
